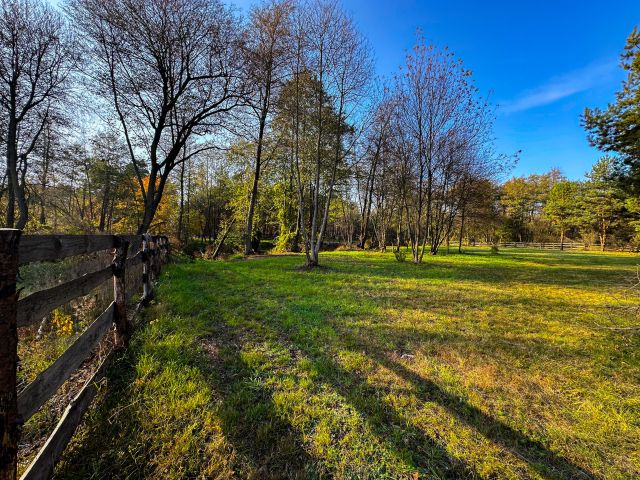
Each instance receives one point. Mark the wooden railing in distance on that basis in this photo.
(15, 409)
(539, 245)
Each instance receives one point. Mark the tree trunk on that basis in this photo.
(181, 211)
(366, 211)
(222, 239)
(152, 200)
(462, 215)
(104, 208)
(11, 202)
(254, 189)
(15, 193)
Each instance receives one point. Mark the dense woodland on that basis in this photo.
(225, 131)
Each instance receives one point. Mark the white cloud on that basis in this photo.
(561, 87)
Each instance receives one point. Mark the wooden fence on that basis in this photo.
(16, 408)
(540, 245)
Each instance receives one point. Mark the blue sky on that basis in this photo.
(543, 62)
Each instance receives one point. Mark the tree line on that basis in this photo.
(184, 117)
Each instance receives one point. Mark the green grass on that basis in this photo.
(471, 366)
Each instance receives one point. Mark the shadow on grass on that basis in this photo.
(245, 417)
(500, 273)
(258, 442)
(356, 391)
(547, 463)
(97, 451)
(264, 443)
(543, 460)
(269, 448)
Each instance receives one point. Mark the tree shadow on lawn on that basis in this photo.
(250, 420)
(424, 452)
(259, 443)
(408, 444)
(547, 463)
(538, 456)
(498, 348)
(505, 274)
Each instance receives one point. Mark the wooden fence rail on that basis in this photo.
(540, 245)
(15, 409)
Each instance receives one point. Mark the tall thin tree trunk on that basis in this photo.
(181, 211)
(256, 178)
(462, 218)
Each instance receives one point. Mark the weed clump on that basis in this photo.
(400, 255)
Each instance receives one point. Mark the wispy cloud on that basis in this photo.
(561, 87)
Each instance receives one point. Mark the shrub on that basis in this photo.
(400, 255)
(494, 249)
(192, 248)
(286, 242)
(367, 245)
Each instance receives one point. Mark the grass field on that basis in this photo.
(513, 365)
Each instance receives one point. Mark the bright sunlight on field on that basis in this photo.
(513, 365)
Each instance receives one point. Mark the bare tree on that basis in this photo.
(36, 57)
(438, 123)
(171, 71)
(377, 140)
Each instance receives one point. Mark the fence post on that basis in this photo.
(152, 260)
(158, 255)
(9, 418)
(123, 329)
(147, 292)
(167, 248)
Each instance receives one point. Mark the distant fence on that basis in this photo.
(540, 245)
(16, 408)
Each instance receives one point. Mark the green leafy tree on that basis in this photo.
(601, 201)
(523, 200)
(561, 209)
(617, 128)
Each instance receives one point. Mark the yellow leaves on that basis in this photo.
(130, 215)
(62, 323)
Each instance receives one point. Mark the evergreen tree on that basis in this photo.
(617, 128)
(601, 201)
(561, 209)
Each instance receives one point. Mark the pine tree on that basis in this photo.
(561, 209)
(617, 128)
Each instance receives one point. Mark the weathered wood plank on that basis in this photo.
(119, 266)
(48, 381)
(135, 260)
(37, 248)
(31, 309)
(147, 286)
(42, 466)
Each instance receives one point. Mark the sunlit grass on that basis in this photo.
(475, 365)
